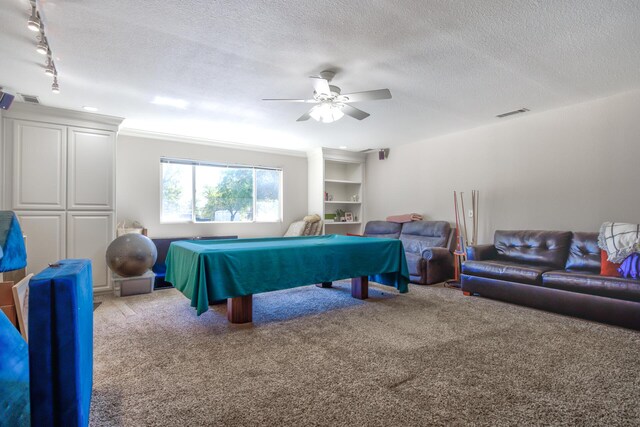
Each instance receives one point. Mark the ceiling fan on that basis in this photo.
(331, 105)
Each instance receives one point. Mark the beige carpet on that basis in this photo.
(319, 357)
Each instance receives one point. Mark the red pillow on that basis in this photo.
(608, 268)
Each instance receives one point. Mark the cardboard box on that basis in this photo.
(7, 305)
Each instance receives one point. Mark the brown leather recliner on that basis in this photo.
(428, 247)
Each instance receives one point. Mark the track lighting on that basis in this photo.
(34, 20)
(50, 69)
(42, 47)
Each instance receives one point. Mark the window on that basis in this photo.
(177, 184)
(205, 192)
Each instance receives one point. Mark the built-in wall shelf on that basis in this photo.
(342, 181)
(328, 222)
(344, 202)
(337, 175)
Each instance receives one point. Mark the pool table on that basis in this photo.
(207, 271)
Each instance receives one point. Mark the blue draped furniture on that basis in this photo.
(14, 376)
(49, 382)
(61, 344)
(13, 255)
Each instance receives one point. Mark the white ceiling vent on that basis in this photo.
(511, 113)
(31, 99)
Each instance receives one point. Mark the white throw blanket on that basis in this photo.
(619, 240)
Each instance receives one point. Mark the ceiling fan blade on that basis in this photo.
(304, 117)
(368, 95)
(320, 85)
(308, 101)
(354, 112)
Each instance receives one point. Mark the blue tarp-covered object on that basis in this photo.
(14, 376)
(13, 255)
(61, 344)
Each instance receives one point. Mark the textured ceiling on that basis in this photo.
(450, 65)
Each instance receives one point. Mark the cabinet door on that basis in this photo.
(89, 234)
(91, 159)
(45, 238)
(39, 165)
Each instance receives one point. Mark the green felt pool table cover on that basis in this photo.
(205, 271)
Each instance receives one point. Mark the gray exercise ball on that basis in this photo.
(131, 255)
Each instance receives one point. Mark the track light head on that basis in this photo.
(55, 88)
(34, 20)
(50, 70)
(42, 47)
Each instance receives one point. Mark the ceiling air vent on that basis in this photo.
(511, 113)
(31, 99)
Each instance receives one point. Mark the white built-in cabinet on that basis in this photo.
(39, 165)
(84, 229)
(58, 173)
(336, 181)
(46, 234)
(90, 155)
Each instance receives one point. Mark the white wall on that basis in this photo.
(138, 185)
(567, 169)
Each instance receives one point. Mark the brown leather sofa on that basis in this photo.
(557, 271)
(428, 247)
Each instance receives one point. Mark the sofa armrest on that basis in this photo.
(436, 265)
(436, 254)
(481, 252)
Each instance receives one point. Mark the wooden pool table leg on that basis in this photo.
(239, 309)
(360, 287)
(324, 284)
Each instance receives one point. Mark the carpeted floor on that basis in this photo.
(319, 357)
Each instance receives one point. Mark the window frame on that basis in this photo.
(194, 164)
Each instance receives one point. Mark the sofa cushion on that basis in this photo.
(505, 270)
(296, 229)
(417, 236)
(533, 247)
(584, 253)
(382, 229)
(593, 284)
(608, 268)
(413, 263)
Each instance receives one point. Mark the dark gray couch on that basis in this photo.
(428, 246)
(552, 270)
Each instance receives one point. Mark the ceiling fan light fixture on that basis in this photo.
(331, 104)
(326, 112)
(34, 21)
